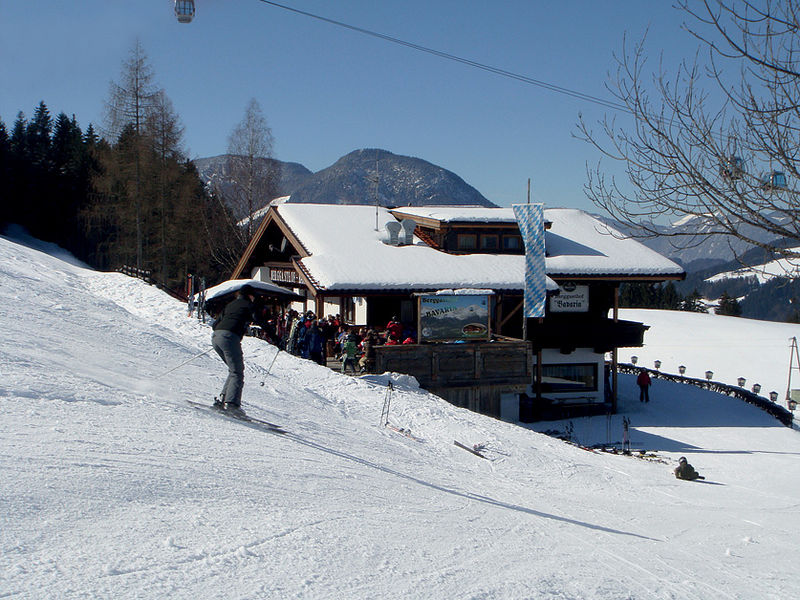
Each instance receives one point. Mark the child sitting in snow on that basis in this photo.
(686, 471)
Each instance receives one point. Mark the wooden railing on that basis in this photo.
(147, 276)
(776, 410)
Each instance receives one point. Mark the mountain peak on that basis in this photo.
(364, 176)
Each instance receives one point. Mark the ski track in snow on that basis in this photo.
(113, 486)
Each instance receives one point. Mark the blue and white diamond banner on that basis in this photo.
(530, 218)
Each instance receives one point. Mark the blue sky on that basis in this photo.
(327, 91)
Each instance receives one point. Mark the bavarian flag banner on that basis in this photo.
(531, 225)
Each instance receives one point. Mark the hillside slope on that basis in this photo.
(114, 487)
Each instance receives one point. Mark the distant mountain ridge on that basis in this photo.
(713, 265)
(687, 242)
(401, 181)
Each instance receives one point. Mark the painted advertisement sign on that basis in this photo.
(453, 318)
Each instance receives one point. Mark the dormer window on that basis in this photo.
(512, 242)
(467, 241)
(490, 242)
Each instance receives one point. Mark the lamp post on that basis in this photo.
(773, 396)
(634, 360)
(682, 369)
(756, 388)
(741, 381)
(657, 364)
(709, 375)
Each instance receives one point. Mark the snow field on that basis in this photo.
(114, 487)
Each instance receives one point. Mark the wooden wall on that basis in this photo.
(472, 375)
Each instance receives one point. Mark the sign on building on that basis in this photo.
(457, 317)
(280, 274)
(570, 298)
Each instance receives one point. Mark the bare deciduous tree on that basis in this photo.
(719, 139)
(252, 173)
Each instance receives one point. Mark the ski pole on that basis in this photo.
(387, 399)
(273, 360)
(183, 363)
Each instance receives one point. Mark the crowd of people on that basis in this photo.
(318, 339)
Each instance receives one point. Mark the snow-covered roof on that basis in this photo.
(348, 253)
(460, 214)
(232, 285)
(577, 244)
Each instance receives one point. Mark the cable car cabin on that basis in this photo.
(184, 10)
(732, 168)
(774, 181)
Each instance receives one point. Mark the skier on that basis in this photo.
(227, 341)
(686, 471)
(643, 381)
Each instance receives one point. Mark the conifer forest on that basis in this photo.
(120, 194)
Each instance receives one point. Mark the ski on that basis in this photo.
(268, 426)
(470, 449)
(406, 432)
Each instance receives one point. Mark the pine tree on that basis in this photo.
(693, 302)
(90, 138)
(38, 135)
(165, 133)
(19, 170)
(670, 298)
(728, 306)
(130, 102)
(5, 174)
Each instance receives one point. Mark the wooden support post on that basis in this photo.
(614, 355)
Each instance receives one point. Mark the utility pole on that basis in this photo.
(375, 179)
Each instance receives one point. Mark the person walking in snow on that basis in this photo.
(349, 351)
(226, 340)
(643, 381)
(686, 471)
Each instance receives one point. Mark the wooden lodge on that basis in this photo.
(369, 264)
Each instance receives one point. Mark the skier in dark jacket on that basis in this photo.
(686, 471)
(227, 341)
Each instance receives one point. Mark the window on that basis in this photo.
(467, 241)
(569, 378)
(490, 242)
(512, 242)
(347, 308)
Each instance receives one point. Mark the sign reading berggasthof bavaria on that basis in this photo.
(570, 298)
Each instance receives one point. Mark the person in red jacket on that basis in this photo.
(394, 329)
(643, 381)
